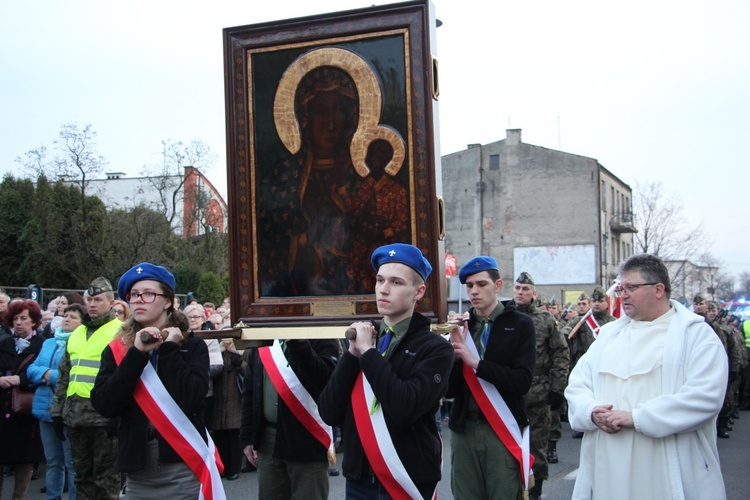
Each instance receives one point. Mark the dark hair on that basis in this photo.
(16, 307)
(652, 269)
(77, 308)
(74, 298)
(494, 274)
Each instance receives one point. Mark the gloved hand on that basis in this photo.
(59, 425)
(556, 400)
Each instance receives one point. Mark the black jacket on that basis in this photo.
(313, 361)
(184, 371)
(508, 363)
(408, 386)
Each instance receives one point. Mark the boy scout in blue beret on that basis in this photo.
(406, 368)
(498, 345)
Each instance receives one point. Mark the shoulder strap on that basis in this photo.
(25, 362)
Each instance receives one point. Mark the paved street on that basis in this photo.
(734, 462)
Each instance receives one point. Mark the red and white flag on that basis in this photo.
(593, 324)
(615, 302)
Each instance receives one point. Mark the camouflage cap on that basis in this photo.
(598, 294)
(699, 297)
(525, 278)
(713, 306)
(554, 302)
(99, 285)
(540, 301)
(583, 296)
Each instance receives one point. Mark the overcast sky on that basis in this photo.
(655, 90)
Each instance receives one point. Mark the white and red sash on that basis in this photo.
(378, 445)
(298, 400)
(499, 417)
(593, 324)
(172, 424)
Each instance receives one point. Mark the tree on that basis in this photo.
(76, 161)
(16, 199)
(169, 178)
(210, 289)
(744, 285)
(662, 228)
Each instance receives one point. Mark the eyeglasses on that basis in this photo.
(631, 289)
(196, 317)
(146, 297)
(119, 312)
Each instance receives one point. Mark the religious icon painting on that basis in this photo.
(331, 154)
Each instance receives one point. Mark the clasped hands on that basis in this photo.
(9, 381)
(365, 338)
(611, 421)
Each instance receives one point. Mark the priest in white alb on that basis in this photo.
(647, 394)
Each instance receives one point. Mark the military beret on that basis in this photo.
(144, 271)
(477, 265)
(402, 253)
(99, 285)
(598, 294)
(699, 297)
(525, 278)
(583, 296)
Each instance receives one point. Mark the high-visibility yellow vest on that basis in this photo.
(746, 328)
(86, 354)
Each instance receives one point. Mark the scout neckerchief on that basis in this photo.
(170, 421)
(298, 400)
(499, 417)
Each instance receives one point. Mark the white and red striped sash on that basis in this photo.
(174, 426)
(378, 446)
(500, 418)
(298, 400)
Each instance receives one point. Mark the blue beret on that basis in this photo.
(144, 271)
(403, 254)
(476, 265)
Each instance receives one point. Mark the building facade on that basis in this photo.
(190, 201)
(562, 217)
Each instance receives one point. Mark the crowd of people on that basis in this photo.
(123, 396)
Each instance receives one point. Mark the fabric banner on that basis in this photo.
(172, 424)
(296, 397)
(500, 417)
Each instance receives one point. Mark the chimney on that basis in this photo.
(513, 136)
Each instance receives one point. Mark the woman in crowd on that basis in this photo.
(121, 309)
(197, 320)
(61, 302)
(154, 346)
(20, 444)
(43, 373)
(227, 410)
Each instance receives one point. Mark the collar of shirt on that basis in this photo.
(479, 321)
(399, 330)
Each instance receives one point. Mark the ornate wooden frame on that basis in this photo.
(387, 52)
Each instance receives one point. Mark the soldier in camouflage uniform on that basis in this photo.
(584, 304)
(723, 423)
(93, 443)
(556, 416)
(550, 377)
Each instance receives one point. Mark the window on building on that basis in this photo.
(494, 162)
(612, 193)
(604, 196)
